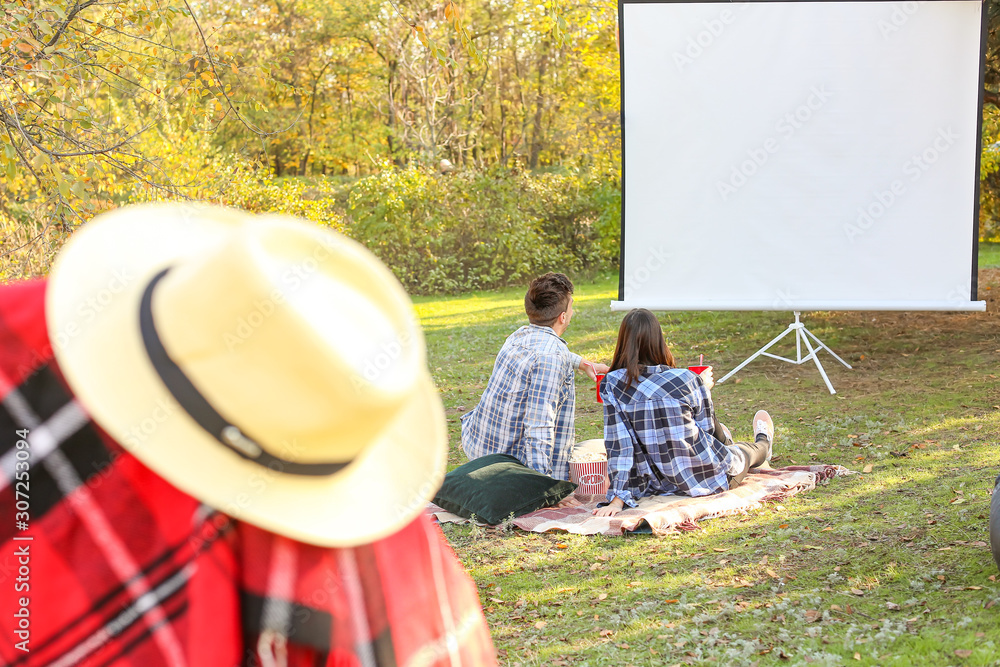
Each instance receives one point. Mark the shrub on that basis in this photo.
(319, 201)
(469, 230)
(480, 230)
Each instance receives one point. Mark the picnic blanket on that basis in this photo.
(668, 514)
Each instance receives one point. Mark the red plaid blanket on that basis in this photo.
(104, 563)
(667, 514)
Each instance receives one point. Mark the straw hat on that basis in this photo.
(268, 367)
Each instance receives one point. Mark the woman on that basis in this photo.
(660, 428)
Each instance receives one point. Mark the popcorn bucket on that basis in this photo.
(591, 477)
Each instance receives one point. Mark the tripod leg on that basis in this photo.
(756, 354)
(823, 345)
(819, 365)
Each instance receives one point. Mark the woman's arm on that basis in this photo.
(702, 409)
(618, 442)
(611, 509)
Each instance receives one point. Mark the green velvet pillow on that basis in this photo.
(497, 485)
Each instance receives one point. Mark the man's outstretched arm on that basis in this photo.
(593, 368)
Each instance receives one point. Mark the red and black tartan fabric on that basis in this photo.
(127, 570)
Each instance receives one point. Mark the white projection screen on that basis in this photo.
(800, 155)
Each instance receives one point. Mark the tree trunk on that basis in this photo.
(536, 126)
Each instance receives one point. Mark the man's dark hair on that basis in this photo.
(547, 298)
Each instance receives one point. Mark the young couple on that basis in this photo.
(660, 429)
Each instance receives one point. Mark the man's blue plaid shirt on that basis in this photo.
(528, 407)
(671, 412)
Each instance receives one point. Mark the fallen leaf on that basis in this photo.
(771, 573)
(540, 624)
(867, 468)
(812, 615)
(857, 591)
(978, 543)
(605, 633)
(602, 596)
(963, 652)
(784, 525)
(807, 547)
(892, 606)
(973, 588)
(561, 546)
(671, 601)
(835, 607)
(719, 550)
(857, 656)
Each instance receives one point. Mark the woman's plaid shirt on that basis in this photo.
(670, 412)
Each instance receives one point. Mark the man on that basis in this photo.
(196, 468)
(528, 407)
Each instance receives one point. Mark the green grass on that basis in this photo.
(884, 568)
(989, 255)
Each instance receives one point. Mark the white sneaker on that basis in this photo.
(762, 424)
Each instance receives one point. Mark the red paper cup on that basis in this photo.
(600, 376)
(698, 370)
(591, 477)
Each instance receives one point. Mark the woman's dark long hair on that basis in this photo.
(640, 344)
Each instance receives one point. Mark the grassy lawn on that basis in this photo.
(989, 255)
(889, 567)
